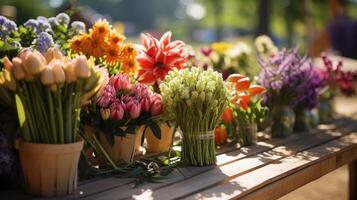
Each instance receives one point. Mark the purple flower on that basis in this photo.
(43, 42)
(63, 18)
(53, 21)
(6, 27)
(32, 24)
(78, 27)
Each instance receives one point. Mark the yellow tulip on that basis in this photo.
(7, 64)
(33, 63)
(47, 77)
(58, 72)
(9, 80)
(81, 67)
(18, 70)
(105, 113)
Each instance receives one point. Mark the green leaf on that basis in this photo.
(20, 110)
(155, 130)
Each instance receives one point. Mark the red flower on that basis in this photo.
(159, 57)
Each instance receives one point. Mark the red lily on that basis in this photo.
(159, 57)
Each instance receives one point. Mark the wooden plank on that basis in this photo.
(238, 168)
(352, 169)
(279, 178)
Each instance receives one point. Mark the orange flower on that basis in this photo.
(77, 43)
(244, 101)
(234, 78)
(242, 84)
(220, 135)
(115, 38)
(128, 52)
(255, 90)
(101, 28)
(227, 115)
(130, 67)
(112, 54)
(94, 45)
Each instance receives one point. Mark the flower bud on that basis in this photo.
(156, 108)
(39, 54)
(7, 64)
(120, 82)
(17, 69)
(9, 80)
(24, 53)
(47, 77)
(117, 110)
(53, 53)
(58, 72)
(81, 67)
(70, 72)
(105, 113)
(134, 109)
(53, 88)
(145, 104)
(33, 63)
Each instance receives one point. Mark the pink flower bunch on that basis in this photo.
(122, 101)
(336, 77)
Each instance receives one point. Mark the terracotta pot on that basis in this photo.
(124, 148)
(50, 169)
(162, 145)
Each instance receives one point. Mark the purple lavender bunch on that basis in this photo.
(283, 77)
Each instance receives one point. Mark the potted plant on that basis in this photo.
(195, 99)
(281, 76)
(49, 93)
(156, 59)
(337, 81)
(246, 104)
(123, 111)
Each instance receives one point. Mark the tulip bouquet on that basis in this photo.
(106, 45)
(49, 92)
(246, 103)
(195, 99)
(123, 104)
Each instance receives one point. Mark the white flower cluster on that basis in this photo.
(193, 91)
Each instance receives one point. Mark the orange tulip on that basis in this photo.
(244, 101)
(243, 84)
(220, 135)
(227, 115)
(256, 89)
(234, 78)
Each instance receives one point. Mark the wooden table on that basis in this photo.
(267, 170)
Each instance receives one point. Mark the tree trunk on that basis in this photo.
(264, 18)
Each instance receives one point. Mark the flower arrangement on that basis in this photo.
(106, 46)
(283, 77)
(123, 104)
(158, 57)
(195, 99)
(246, 105)
(50, 92)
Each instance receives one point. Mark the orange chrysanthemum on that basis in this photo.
(130, 67)
(115, 38)
(101, 28)
(94, 45)
(77, 43)
(128, 52)
(112, 54)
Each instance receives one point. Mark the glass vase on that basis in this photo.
(325, 111)
(302, 120)
(198, 148)
(247, 133)
(283, 120)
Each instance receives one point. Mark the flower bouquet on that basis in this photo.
(156, 59)
(337, 81)
(125, 110)
(281, 75)
(49, 93)
(246, 104)
(195, 99)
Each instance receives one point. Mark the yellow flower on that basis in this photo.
(115, 37)
(101, 28)
(128, 52)
(112, 54)
(221, 47)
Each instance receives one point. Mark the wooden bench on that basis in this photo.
(267, 170)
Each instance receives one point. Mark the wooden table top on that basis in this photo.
(267, 170)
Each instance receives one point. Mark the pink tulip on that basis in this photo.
(145, 104)
(134, 109)
(117, 110)
(120, 82)
(106, 96)
(156, 108)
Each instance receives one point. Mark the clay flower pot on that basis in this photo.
(50, 169)
(124, 148)
(162, 145)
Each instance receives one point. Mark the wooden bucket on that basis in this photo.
(50, 169)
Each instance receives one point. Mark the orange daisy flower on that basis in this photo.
(112, 54)
(101, 28)
(130, 67)
(94, 45)
(76, 43)
(115, 37)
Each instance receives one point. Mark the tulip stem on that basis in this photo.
(105, 153)
(52, 116)
(60, 116)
